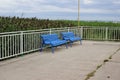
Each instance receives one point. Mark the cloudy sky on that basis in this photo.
(108, 10)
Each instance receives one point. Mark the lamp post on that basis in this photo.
(78, 13)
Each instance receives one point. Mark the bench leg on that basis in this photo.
(66, 45)
(71, 43)
(41, 48)
(52, 49)
(80, 42)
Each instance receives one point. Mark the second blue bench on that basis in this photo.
(70, 36)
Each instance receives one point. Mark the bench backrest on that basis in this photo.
(67, 34)
(49, 37)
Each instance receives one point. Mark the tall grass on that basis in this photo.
(8, 24)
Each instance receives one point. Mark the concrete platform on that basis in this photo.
(110, 70)
(73, 63)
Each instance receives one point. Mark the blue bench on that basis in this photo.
(52, 40)
(70, 36)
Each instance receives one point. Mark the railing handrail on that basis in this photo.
(25, 31)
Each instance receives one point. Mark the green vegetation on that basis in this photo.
(90, 75)
(8, 24)
(106, 60)
(17, 24)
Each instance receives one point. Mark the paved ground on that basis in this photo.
(110, 70)
(73, 63)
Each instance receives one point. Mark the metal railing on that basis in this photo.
(101, 33)
(22, 42)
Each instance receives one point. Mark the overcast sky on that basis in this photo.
(108, 10)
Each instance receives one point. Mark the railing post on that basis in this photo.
(50, 30)
(21, 42)
(106, 37)
(81, 32)
(68, 29)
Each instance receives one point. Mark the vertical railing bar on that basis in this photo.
(109, 34)
(27, 42)
(50, 31)
(21, 42)
(5, 55)
(68, 29)
(102, 33)
(95, 32)
(119, 34)
(10, 50)
(84, 37)
(81, 32)
(99, 33)
(32, 42)
(8, 46)
(106, 33)
(15, 45)
(17, 52)
(92, 32)
(34, 39)
(27, 47)
(26, 38)
(2, 47)
(113, 33)
(116, 35)
(88, 30)
(24, 48)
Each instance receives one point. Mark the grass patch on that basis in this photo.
(99, 66)
(110, 57)
(106, 60)
(90, 75)
(93, 72)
